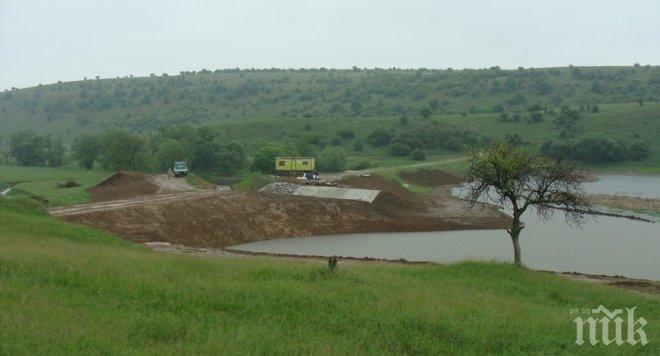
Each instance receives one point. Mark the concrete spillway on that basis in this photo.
(366, 195)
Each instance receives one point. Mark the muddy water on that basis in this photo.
(605, 245)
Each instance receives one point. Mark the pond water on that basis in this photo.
(604, 245)
(634, 186)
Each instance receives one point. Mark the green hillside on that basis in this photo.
(625, 122)
(434, 112)
(210, 98)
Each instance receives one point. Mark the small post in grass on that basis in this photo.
(332, 263)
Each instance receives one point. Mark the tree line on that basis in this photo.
(121, 150)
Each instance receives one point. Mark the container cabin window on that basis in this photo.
(281, 163)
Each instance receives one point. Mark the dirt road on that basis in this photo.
(144, 190)
(345, 174)
(159, 199)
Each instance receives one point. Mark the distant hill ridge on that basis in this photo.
(211, 97)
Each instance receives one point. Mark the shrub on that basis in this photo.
(453, 144)
(362, 164)
(357, 146)
(555, 149)
(264, 159)
(380, 137)
(231, 158)
(335, 141)
(399, 149)
(598, 149)
(69, 184)
(595, 149)
(418, 155)
(639, 151)
(331, 159)
(345, 134)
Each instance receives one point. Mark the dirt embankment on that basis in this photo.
(128, 185)
(222, 219)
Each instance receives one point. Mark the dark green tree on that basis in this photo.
(332, 159)
(86, 149)
(123, 151)
(231, 158)
(264, 159)
(168, 152)
(380, 137)
(27, 149)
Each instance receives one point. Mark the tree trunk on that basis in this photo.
(516, 250)
(516, 227)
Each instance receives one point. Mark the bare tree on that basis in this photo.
(514, 178)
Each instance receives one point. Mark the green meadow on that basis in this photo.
(45, 182)
(72, 289)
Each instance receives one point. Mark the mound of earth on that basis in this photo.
(393, 199)
(431, 177)
(221, 220)
(124, 185)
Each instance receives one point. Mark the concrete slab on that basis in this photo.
(366, 195)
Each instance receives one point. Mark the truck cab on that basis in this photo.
(180, 169)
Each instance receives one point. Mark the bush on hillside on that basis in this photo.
(418, 155)
(596, 149)
(264, 159)
(331, 159)
(361, 164)
(380, 137)
(69, 184)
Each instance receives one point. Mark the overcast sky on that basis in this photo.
(46, 41)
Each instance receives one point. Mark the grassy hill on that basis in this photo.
(257, 107)
(210, 98)
(71, 289)
(627, 122)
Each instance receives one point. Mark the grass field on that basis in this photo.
(43, 182)
(72, 289)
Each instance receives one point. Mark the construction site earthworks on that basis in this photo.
(158, 208)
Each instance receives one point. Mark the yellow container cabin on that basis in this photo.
(294, 164)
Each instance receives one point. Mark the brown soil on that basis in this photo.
(393, 198)
(431, 177)
(123, 185)
(639, 285)
(212, 219)
(128, 185)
